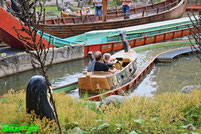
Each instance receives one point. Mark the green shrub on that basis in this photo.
(165, 113)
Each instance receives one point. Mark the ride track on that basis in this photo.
(134, 81)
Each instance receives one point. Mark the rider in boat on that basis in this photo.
(98, 65)
(107, 60)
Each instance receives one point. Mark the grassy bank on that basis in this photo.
(165, 113)
(53, 8)
(160, 45)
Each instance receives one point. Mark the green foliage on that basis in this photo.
(165, 113)
(193, 115)
(47, 8)
(116, 3)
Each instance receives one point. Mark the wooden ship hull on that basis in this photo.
(105, 81)
(66, 27)
(193, 7)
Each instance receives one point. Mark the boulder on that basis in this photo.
(68, 11)
(113, 99)
(70, 7)
(61, 7)
(50, 12)
(187, 89)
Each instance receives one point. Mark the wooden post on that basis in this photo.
(74, 20)
(44, 21)
(104, 10)
(59, 19)
(143, 12)
(116, 11)
(165, 5)
(63, 20)
(157, 10)
(152, 4)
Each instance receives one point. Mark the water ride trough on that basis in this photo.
(97, 82)
(71, 26)
(162, 57)
(110, 40)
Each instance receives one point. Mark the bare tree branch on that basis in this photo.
(195, 33)
(38, 51)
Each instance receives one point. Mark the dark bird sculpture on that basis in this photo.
(37, 99)
(125, 42)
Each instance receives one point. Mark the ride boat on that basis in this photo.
(110, 40)
(71, 26)
(97, 81)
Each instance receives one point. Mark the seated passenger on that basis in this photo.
(107, 60)
(99, 66)
(91, 64)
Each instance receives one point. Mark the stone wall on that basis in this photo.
(22, 61)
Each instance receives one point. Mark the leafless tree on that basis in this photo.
(41, 54)
(195, 33)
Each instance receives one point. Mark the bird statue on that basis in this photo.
(37, 98)
(125, 42)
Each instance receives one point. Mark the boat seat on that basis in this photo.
(118, 65)
(126, 60)
(102, 73)
(84, 81)
(99, 82)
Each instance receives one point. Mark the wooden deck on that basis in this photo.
(170, 55)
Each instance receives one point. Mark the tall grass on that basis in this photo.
(165, 113)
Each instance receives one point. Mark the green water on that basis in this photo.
(170, 77)
(59, 74)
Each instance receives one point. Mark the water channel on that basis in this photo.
(61, 74)
(162, 78)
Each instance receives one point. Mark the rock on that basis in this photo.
(50, 12)
(113, 99)
(68, 11)
(187, 89)
(61, 7)
(190, 127)
(70, 7)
